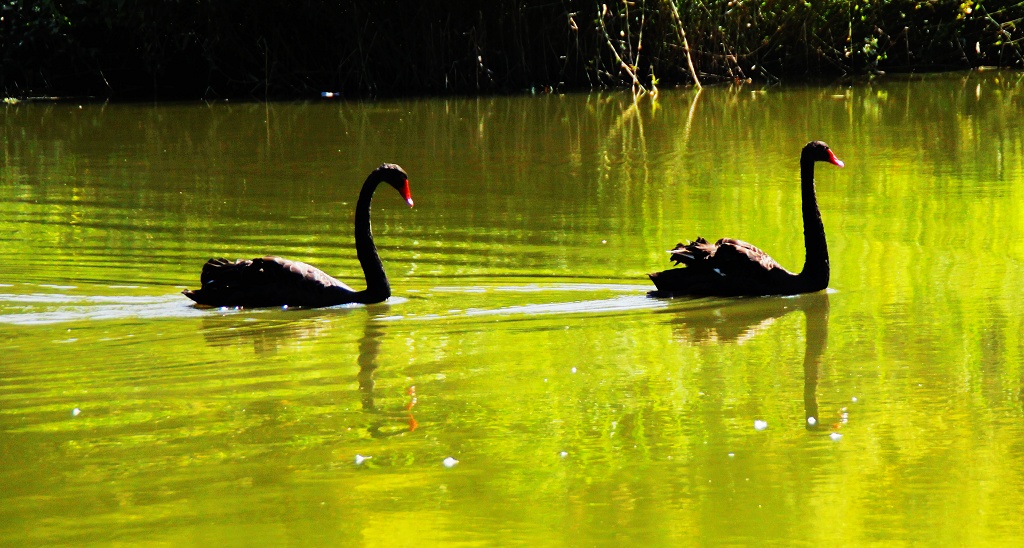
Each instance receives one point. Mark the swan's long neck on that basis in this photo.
(377, 287)
(815, 274)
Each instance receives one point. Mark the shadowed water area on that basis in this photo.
(519, 340)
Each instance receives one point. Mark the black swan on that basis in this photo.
(730, 268)
(273, 281)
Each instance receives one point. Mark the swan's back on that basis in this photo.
(726, 268)
(267, 281)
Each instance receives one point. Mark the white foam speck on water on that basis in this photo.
(836, 436)
(760, 425)
(449, 462)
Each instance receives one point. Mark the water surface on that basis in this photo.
(520, 341)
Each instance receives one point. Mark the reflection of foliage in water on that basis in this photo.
(177, 434)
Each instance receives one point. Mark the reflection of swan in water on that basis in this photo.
(717, 321)
(369, 350)
(816, 314)
(737, 321)
(268, 336)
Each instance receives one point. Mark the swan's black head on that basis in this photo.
(394, 175)
(817, 151)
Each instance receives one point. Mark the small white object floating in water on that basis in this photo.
(760, 424)
(836, 436)
(361, 459)
(812, 421)
(450, 462)
(75, 412)
(563, 454)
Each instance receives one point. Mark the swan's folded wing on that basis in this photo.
(266, 281)
(298, 273)
(741, 258)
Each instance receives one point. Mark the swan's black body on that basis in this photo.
(730, 268)
(273, 281)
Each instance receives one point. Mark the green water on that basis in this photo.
(519, 341)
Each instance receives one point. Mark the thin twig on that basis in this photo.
(608, 40)
(686, 44)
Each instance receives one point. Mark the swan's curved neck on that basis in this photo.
(377, 286)
(815, 274)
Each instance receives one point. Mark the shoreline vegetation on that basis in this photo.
(201, 49)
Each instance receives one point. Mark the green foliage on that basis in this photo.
(177, 48)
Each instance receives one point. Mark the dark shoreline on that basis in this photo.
(129, 50)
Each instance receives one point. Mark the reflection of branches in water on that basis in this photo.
(739, 320)
(689, 117)
(624, 151)
(628, 132)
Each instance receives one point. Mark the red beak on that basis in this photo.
(408, 195)
(831, 157)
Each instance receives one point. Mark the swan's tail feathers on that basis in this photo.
(217, 280)
(216, 269)
(190, 294)
(676, 281)
(694, 277)
(688, 254)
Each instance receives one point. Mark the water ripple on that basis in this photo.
(634, 299)
(84, 308)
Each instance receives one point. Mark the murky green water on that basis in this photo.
(520, 341)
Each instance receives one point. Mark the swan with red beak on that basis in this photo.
(273, 281)
(730, 268)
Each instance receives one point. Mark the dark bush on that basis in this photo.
(229, 48)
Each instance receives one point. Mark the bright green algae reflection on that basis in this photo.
(520, 341)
